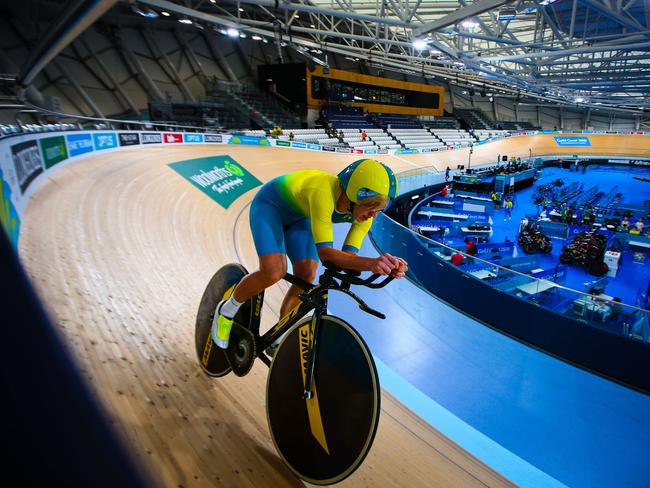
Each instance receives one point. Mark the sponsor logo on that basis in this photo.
(129, 138)
(313, 147)
(572, 141)
(173, 138)
(219, 177)
(151, 138)
(79, 144)
(193, 137)
(425, 150)
(54, 150)
(328, 148)
(249, 141)
(282, 143)
(299, 145)
(342, 150)
(382, 151)
(369, 151)
(27, 163)
(357, 151)
(104, 140)
(212, 138)
(406, 151)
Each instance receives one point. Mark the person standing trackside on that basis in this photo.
(508, 208)
(364, 136)
(447, 173)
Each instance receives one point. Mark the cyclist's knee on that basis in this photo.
(273, 270)
(305, 269)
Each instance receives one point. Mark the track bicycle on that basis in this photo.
(322, 393)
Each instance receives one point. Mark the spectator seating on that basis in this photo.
(259, 133)
(474, 118)
(397, 121)
(453, 137)
(416, 138)
(483, 134)
(9, 129)
(443, 123)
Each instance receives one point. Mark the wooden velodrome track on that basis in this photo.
(120, 249)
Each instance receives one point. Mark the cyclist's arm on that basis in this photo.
(383, 264)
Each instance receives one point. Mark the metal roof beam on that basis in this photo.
(462, 13)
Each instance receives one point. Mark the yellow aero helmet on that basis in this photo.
(368, 178)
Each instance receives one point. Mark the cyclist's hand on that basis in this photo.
(384, 264)
(401, 269)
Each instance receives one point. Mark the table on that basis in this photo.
(449, 203)
(584, 306)
(483, 274)
(430, 214)
(470, 197)
(476, 231)
(537, 286)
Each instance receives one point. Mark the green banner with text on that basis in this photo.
(220, 177)
(54, 150)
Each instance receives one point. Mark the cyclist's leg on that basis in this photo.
(268, 234)
(304, 259)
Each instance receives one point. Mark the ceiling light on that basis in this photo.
(241, 9)
(213, 1)
(145, 12)
(166, 14)
(242, 35)
(232, 32)
(185, 20)
(579, 99)
(257, 38)
(312, 26)
(469, 24)
(420, 44)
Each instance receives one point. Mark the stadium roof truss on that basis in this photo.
(592, 53)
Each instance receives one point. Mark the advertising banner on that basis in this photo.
(406, 151)
(79, 144)
(129, 138)
(572, 141)
(342, 150)
(356, 151)
(299, 145)
(328, 148)
(193, 138)
(173, 138)
(54, 150)
(104, 140)
(9, 218)
(220, 177)
(425, 150)
(382, 151)
(151, 138)
(27, 162)
(213, 138)
(369, 151)
(282, 143)
(249, 140)
(313, 147)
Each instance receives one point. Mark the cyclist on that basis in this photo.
(292, 215)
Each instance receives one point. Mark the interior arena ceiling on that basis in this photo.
(585, 52)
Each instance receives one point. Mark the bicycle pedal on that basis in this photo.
(242, 350)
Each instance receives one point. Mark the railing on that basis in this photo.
(593, 331)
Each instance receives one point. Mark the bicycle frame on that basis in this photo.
(315, 297)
